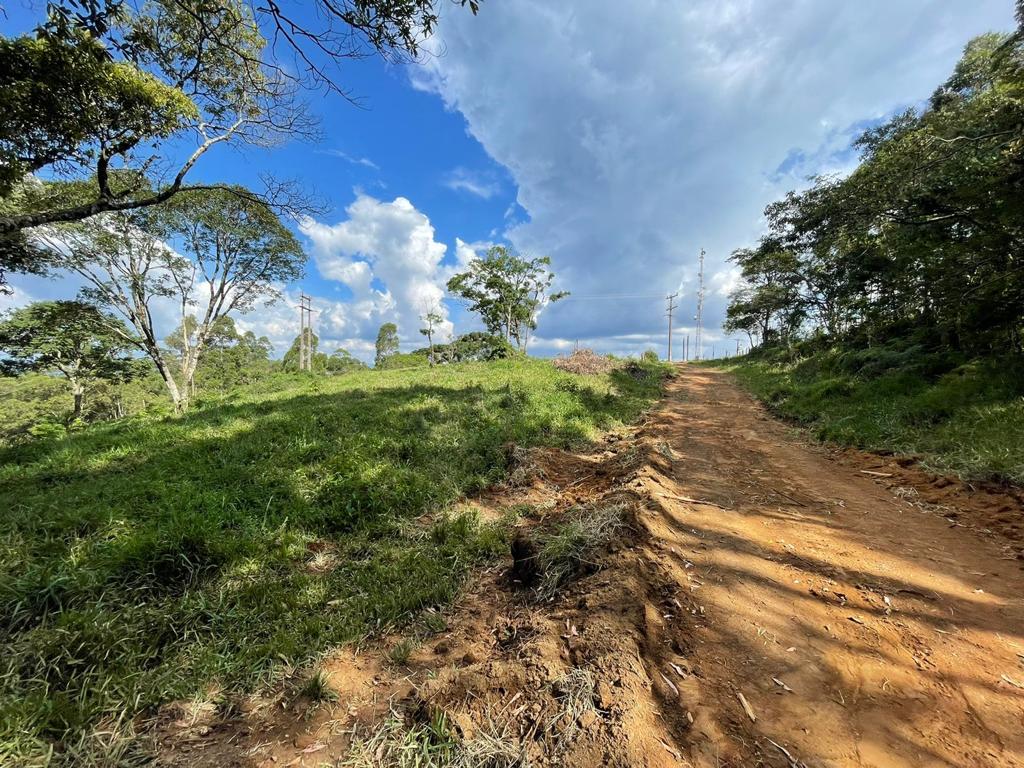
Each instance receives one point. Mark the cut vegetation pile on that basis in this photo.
(585, 362)
(165, 559)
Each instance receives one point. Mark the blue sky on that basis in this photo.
(617, 138)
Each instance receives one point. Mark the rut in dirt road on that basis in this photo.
(829, 620)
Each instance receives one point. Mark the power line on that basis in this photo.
(306, 332)
(615, 296)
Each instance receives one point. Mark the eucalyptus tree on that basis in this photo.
(386, 345)
(72, 338)
(231, 252)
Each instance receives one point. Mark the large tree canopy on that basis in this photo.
(232, 252)
(926, 235)
(106, 93)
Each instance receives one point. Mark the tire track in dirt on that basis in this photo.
(861, 626)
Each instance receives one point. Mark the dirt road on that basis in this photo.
(862, 629)
(772, 605)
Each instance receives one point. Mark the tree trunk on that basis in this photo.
(180, 400)
(78, 390)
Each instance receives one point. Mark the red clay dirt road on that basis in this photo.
(861, 628)
(771, 604)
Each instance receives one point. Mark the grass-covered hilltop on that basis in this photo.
(160, 557)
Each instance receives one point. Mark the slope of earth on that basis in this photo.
(767, 605)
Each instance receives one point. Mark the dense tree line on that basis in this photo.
(924, 238)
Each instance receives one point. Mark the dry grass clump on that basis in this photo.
(573, 546)
(586, 362)
(397, 744)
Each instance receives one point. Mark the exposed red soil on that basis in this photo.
(770, 605)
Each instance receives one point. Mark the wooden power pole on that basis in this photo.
(672, 306)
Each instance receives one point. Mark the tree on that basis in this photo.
(318, 360)
(104, 84)
(342, 361)
(110, 98)
(228, 357)
(235, 254)
(387, 344)
(768, 304)
(71, 337)
(507, 291)
(431, 320)
(925, 238)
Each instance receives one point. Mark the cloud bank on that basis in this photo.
(639, 133)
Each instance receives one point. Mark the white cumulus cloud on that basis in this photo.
(387, 255)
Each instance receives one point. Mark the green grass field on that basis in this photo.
(960, 416)
(158, 558)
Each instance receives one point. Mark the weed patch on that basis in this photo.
(964, 417)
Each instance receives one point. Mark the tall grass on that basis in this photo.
(956, 415)
(155, 559)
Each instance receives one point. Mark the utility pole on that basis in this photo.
(672, 306)
(700, 308)
(302, 331)
(305, 332)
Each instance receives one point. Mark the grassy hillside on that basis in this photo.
(957, 415)
(158, 558)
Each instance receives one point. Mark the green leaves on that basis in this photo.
(70, 337)
(927, 233)
(507, 291)
(387, 343)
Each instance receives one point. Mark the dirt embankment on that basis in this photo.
(770, 604)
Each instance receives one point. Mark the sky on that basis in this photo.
(617, 138)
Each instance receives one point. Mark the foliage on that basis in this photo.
(387, 344)
(507, 291)
(473, 347)
(398, 360)
(430, 320)
(36, 405)
(928, 231)
(90, 99)
(228, 358)
(77, 340)
(63, 98)
(104, 85)
(235, 247)
(342, 361)
(957, 414)
(144, 559)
